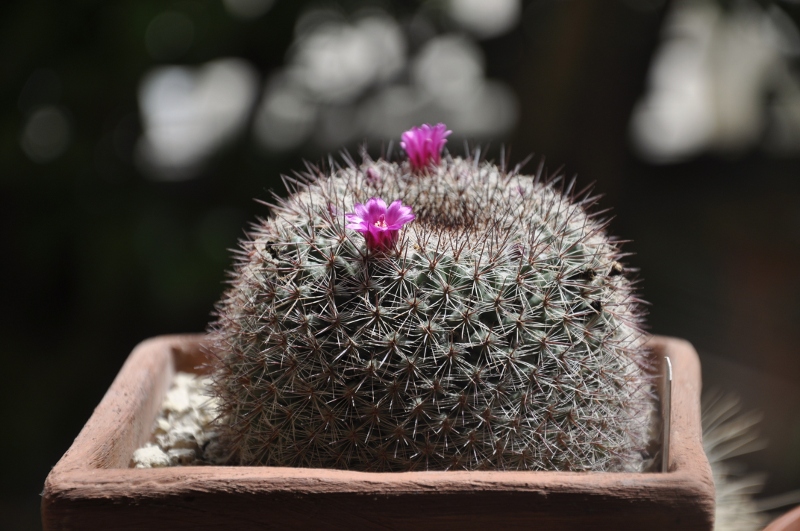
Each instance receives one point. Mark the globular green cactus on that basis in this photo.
(497, 330)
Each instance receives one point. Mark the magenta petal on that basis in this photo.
(355, 221)
(397, 214)
(402, 220)
(379, 225)
(376, 207)
(361, 210)
(394, 211)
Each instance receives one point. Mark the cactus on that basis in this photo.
(481, 321)
(728, 433)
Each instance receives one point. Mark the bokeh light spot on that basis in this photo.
(285, 118)
(486, 19)
(46, 134)
(188, 114)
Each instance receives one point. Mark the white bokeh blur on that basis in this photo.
(347, 78)
(485, 18)
(331, 64)
(448, 84)
(350, 79)
(337, 60)
(285, 118)
(188, 113)
(722, 81)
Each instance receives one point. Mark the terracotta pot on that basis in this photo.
(788, 522)
(92, 486)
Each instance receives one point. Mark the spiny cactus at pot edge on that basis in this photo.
(495, 331)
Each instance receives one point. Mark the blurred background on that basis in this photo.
(134, 135)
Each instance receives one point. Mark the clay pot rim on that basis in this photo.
(789, 521)
(88, 454)
(95, 466)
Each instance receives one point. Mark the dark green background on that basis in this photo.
(97, 257)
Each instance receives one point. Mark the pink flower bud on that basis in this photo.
(424, 145)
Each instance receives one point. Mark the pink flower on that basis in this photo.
(379, 224)
(424, 144)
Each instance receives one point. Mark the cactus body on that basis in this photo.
(498, 333)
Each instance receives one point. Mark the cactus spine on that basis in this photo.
(497, 331)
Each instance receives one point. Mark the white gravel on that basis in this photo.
(183, 433)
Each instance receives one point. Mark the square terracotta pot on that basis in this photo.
(93, 487)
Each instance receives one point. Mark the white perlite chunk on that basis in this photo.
(150, 456)
(183, 433)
